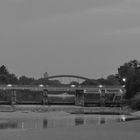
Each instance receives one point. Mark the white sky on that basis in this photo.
(84, 37)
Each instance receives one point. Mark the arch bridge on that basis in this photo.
(68, 76)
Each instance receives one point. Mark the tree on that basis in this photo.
(3, 79)
(4, 75)
(3, 70)
(91, 82)
(113, 80)
(45, 81)
(131, 72)
(74, 83)
(12, 79)
(103, 81)
(23, 80)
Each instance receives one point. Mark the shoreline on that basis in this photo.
(117, 131)
(66, 108)
(113, 131)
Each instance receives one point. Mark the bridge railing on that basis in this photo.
(19, 94)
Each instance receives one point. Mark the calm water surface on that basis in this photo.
(60, 122)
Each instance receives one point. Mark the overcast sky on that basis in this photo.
(90, 38)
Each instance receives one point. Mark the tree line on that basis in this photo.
(9, 78)
(130, 71)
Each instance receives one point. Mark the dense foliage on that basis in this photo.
(135, 102)
(8, 78)
(131, 73)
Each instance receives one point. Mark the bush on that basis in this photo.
(135, 102)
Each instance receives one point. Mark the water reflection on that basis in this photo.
(45, 123)
(123, 118)
(102, 121)
(79, 121)
(60, 122)
(8, 125)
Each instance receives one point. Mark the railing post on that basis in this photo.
(13, 97)
(102, 98)
(79, 98)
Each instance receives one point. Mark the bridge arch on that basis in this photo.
(68, 76)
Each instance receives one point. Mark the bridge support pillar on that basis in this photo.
(102, 98)
(79, 98)
(45, 97)
(13, 97)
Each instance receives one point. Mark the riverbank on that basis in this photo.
(65, 108)
(113, 131)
